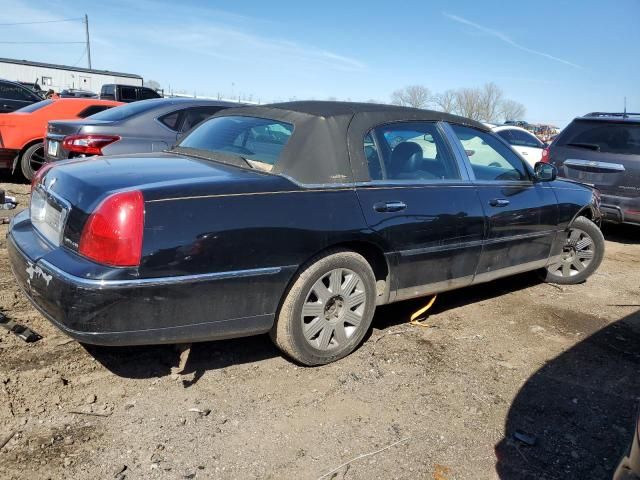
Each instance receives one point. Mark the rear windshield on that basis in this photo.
(602, 137)
(259, 141)
(35, 106)
(125, 111)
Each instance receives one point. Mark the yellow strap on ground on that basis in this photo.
(415, 316)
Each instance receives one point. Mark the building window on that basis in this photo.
(47, 81)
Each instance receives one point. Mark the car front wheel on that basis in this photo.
(328, 309)
(581, 255)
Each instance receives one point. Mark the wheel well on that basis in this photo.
(372, 254)
(22, 150)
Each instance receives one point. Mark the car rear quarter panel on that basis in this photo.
(282, 226)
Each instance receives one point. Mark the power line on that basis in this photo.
(43, 21)
(39, 43)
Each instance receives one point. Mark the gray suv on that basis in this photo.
(603, 150)
(144, 126)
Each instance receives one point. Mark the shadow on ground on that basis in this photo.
(629, 234)
(579, 408)
(157, 361)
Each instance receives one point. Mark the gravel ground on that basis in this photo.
(555, 366)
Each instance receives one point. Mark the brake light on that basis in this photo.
(113, 232)
(38, 176)
(546, 158)
(88, 144)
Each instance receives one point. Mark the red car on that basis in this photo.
(22, 132)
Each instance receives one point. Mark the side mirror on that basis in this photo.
(545, 172)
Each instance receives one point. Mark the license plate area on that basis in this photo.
(52, 148)
(48, 215)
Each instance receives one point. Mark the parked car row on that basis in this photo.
(296, 219)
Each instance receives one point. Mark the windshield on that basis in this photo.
(125, 111)
(259, 141)
(34, 106)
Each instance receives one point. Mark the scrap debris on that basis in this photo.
(7, 202)
(25, 333)
(417, 319)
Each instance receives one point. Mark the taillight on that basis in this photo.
(88, 144)
(546, 158)
(113, 232)
(37, 177)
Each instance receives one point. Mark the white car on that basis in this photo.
(522, 141)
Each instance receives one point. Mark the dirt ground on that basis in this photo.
(556, 367)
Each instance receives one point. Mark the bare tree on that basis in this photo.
(446, 101)
(491, 97)
(512, 110)
(469, 102)
(152, 84)
(415, 96)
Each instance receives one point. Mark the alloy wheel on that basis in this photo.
(576, 256)
(37, 160)
(333, 309)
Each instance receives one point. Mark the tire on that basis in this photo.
(338, 318)
(32, 159)
(582, 255)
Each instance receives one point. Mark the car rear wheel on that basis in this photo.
(32, 160)
(328, 309)
(581, 255)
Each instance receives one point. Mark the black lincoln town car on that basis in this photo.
(296, 219)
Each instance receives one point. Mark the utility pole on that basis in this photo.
(86, 29)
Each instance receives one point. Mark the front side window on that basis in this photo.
(409, 151)
(259, 141)
(490, 158)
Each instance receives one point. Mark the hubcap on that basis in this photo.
(333, 309)
(577, 254)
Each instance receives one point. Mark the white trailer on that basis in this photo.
(61, 77)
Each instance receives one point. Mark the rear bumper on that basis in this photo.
(139, 311)
(620, 209)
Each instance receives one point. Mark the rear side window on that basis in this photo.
(518, 138)
(171, 120)
(602, 137)
(409, 151)
(258, 140)
(128, 94)
(35, 106)
(193, 116)
(490, 158)
(92, 110)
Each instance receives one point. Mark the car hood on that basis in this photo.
(85, 182)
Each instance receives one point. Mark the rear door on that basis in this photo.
(522, 215)
(605, 154)
(420, 200)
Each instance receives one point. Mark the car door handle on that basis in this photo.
(524, 153)
(499, 202)
(389, 206)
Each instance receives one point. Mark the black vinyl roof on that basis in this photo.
(333, 109)
(327, 142)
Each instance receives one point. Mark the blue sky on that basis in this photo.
(559, 58)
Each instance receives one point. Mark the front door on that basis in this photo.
(423, 205)
(522, 215)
